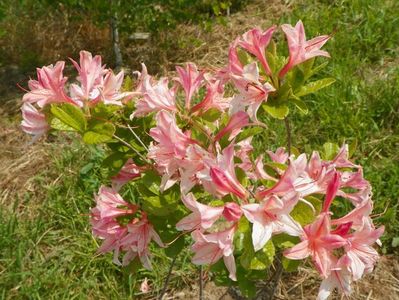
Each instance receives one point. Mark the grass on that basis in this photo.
(46, 248)
(52, 255)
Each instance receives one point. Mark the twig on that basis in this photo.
(165, 285)
(137, 137)
(276, 277)
(177, 237)
(130, 147)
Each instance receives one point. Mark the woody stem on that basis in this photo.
(288, 129)
(165, 285)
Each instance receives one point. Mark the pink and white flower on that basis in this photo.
(144, 286)
(33, 121)
(209, 248)
(300, 49)
(49, 86)
(91, 73)
(223, 177)
(110, 89)
(317, 239)
(171, 146)
(255, 42)
(128, 172)
(137, 240)
(279, 156)
(252, 92)
(213, 98)
(339, 278)
(234, 126)
(272, 216)
(360, 255)
(110, 206)
(202, 216)
(155, 97)
(190, 79)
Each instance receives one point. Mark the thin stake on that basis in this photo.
(201, 283)
(165, 285)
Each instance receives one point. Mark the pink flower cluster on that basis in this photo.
(133, 237)
(96, 84)
(194, 153)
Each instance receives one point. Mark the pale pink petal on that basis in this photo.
(299, 251)
(231, 266)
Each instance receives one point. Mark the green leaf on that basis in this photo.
(316, 69)
(276, 111)
(395, 242)
(244, 57)
(243, 225)
(257, 264)
(330, 150)
(152, 182)
(352, 147)
(127, 85)
(104, 111)
(266, 254)
(314, 86)
(86, 168)
(98, 132)
(284, 93)
(114, 162)
(59, 125)
(70, 115)
(157, 203)
(290, 265)
(247, 287)
(271, 59)
(211, 115)
(248, 250)
(306, 68)
(284, 241)
(303, 213)
(296, 78)
(300, 104)
(275, 165)
(220, 274)
(176, 247)
(247, 132)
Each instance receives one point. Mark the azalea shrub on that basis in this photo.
(184, 148)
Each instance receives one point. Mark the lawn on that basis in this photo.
(46, 189)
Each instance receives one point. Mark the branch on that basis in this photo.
(131, 148)
(165, 286)
(288, 129)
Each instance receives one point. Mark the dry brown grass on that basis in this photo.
(20, 164)
(54, 36)
(213, 49)
(382, 284)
